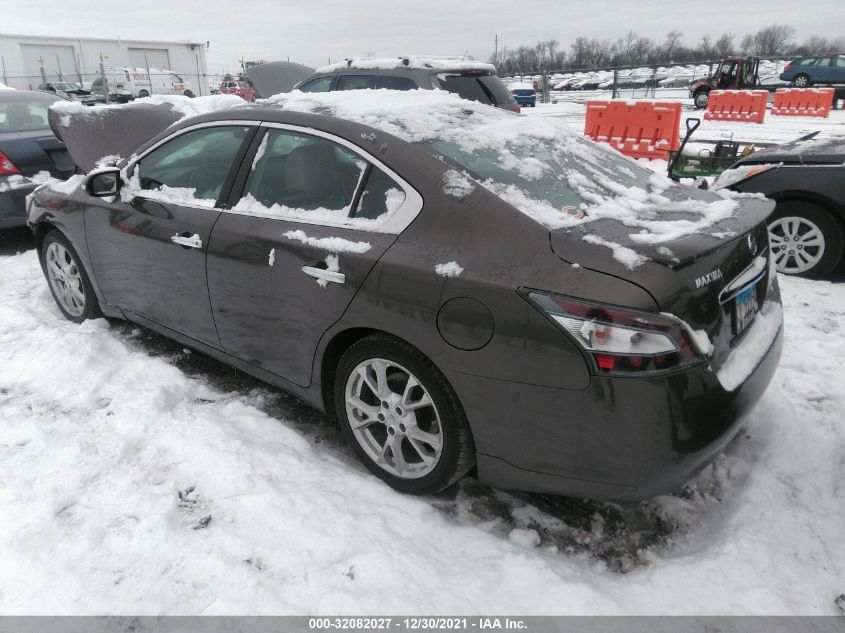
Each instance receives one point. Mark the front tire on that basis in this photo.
(806, 240)
(701, 98)
(401, 417)
(68, 281)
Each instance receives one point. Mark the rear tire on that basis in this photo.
(189, 94)
(806, 239)
(142, 94)
(68, 281)
(802, 80)
(397, 400)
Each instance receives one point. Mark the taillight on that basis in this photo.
(7, 167)
(518, 109)
(513, 92)
(623, 341)
(787, 68)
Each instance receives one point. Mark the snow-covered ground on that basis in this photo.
(137, 477)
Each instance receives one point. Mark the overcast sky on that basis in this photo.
(314, 31)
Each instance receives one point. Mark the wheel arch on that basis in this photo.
(836, 210)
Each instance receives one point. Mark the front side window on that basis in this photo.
(300, 175)
(190, 169)
(321, 84)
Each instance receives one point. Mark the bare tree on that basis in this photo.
(670, 46)
(724, 45)
(773, 40)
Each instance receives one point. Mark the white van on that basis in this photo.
(166, 82)
(126, 84)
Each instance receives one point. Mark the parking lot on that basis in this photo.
(144, 478)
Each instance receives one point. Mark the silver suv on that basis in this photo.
(468, 79)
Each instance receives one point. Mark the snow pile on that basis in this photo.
(542, 165)
(138, 480)
(183, 196)
(457, 184)
(410, 61)
(4, 86)
(331, 244)
(67, 187)
(449, 269)
(338, 217)
(747, 355)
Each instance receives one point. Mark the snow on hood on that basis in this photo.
(410, 61)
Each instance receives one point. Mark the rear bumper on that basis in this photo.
(13, 206)
(621, 438)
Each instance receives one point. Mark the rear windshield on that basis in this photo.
(524, 92)
(560, 174)
(487, 89)
(24, 116)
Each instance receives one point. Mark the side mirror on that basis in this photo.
(103, 183)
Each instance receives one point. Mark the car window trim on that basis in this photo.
(219, 203)
(393, 224)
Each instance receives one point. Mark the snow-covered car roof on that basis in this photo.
(411, 61)
(541, 166)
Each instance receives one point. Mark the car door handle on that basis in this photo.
(187, 240)
(325, 275)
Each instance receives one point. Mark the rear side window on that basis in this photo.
(394, 83)
(24, 116)
(355, 82)
(301, 175)
(374, 82)
(822, 61)
(321, 84)
(839, 62)
(380, 195)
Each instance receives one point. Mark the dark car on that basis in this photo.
(453, 300)
(29, 152)
(469, 80)
(806, 179)
(818, 69)
(524, 95)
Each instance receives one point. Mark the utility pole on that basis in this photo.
(59, 66)
(496, 48)
(103, 78)
(149, 75)
(3, 60)
(40, 61)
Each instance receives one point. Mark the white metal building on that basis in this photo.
(28, 60)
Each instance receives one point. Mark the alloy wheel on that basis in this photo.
(65, 278)
(797, 244)
(393, 418)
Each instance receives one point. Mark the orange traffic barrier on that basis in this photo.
(803, 102)
(737, 105)
(642, 129)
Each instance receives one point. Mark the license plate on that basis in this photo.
(745, 308)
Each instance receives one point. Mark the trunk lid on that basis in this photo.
(35, 151)
(696, 277)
